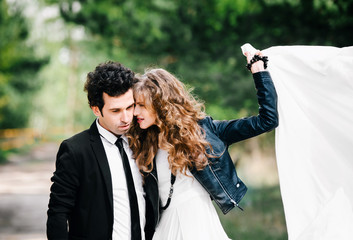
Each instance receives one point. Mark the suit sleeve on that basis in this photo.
(239, 129)
(62, 193)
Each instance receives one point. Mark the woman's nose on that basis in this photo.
(136, 110)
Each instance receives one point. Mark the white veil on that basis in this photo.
(314, 140)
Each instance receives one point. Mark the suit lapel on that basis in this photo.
(102, 160)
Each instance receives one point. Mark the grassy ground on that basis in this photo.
(262, 218)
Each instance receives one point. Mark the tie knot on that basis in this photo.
(119, 143)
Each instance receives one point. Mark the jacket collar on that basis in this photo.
(110, 137)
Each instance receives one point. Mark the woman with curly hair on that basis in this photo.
(173, 136)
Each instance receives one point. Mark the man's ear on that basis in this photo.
(96, 111)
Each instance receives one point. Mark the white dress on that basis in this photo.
(191, 214)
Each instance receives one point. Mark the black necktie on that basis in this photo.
(134, 211)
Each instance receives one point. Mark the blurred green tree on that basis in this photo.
(18, 68)
(200, 40)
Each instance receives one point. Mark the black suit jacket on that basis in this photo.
(81, 198)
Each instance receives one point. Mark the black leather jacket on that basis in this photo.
(219, 178)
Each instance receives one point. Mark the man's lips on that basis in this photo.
(125, 126)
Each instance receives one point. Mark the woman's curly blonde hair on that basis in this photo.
(176, 129)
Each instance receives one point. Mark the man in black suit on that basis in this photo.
(91, 195)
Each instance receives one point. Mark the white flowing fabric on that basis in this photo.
(314, 140)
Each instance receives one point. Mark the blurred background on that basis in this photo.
(47, 47)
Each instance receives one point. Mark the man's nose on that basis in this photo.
(125, 116)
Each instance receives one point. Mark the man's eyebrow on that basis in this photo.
(132, 104)
(119, 109)
(114, 109)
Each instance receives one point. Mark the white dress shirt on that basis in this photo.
(121, 205)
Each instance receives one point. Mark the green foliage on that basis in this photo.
(18, 66)
(300, 22)
(200, 40)
(3, 157)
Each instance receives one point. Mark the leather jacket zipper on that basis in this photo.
(231, 199)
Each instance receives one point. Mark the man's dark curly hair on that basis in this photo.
(110, 77)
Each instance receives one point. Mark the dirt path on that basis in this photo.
(24, 193)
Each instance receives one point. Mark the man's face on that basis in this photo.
(117, 112)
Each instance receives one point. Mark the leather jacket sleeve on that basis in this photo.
(239, 129)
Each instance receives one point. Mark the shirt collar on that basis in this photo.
(110, 137)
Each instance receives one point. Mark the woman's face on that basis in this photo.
(145, 116)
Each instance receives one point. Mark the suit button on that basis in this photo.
(238, 185)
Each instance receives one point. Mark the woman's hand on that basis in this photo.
(256, 66)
